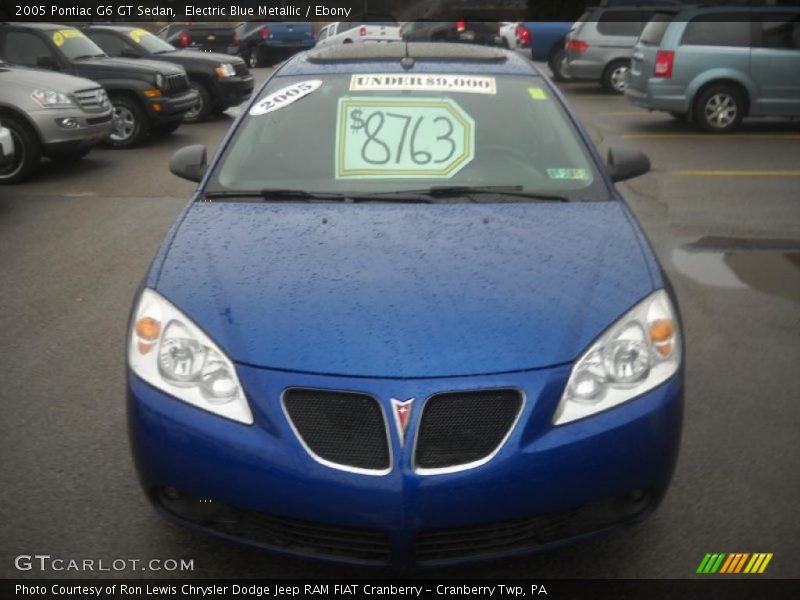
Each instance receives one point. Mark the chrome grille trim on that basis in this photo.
(88, 99)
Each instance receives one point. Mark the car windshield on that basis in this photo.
(384, 133)
(74, 45)
(149, 42)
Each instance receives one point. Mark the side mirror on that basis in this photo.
(47, 62)
(626, 163)
(189, 162)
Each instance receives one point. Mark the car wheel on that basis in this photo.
(348, 41)
(719, 108)
(167, 128)
(70, 157)
(27, 152)
(558, 65)
(253, 58)
(613, 79)
(200, 110)
(129, 124)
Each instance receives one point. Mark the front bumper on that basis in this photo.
(90, 129)
(546, 485)
(164, 109)
(232, 91)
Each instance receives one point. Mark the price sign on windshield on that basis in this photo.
(402, 137)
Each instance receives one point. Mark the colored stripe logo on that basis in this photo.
(734, 563)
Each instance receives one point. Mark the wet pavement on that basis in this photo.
(722, 212)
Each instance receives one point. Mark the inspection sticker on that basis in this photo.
(581, 174)
(537, 93)
(285, 96)
(64, 34)
(471, 84)
(399, 137)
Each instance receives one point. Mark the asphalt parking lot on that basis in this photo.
(723, 213)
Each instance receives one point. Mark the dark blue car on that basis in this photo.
(405, 319)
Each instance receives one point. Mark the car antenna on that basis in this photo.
(407, 61)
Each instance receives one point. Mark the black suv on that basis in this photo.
(220, 80)
(148, 96)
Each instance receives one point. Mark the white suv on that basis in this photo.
(345, 32)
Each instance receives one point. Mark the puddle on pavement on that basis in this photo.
(771, 266)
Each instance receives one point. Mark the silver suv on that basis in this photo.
(49, 114)
(600, 44)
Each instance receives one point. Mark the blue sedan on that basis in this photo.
(406, 319)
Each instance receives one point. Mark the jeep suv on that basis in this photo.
(715, 66)
(147, 96)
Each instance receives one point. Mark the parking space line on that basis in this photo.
(737, 172)
(710, 136)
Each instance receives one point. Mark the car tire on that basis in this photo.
(166, 128)
(27, 151)
(254, 60)
(719, 108)
(558, 65)
(70, 157)
(613, 78)
(130, 123)
(201, 110)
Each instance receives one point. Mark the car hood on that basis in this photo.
(404, 290)
(107, 64)
(41, 78)
(196, 57)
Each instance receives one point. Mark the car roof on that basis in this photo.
(427, 57)
(119, 28)
(41, 26)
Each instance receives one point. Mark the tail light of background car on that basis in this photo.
(362, 31)
(235, 40)
(665, 59)
(577, 45)
(183, 39)
(264, 32)
(461, 26)
(313, 32)
(524, 35)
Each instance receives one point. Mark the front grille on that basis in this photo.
(175, 84)
(520, 535)
(98, 120)
(93, 100)
(344, 429)
(457, 429)
(493, 538)
(285, 534)
(241, 69)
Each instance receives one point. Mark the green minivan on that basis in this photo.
(716, 65)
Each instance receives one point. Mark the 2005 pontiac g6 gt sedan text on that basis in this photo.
(406, 319)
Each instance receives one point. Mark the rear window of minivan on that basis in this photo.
(653, 32)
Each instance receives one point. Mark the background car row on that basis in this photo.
(65, 90)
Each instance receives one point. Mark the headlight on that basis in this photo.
(225, 70)
(172, 354)
(159, 81)
(639, 352)
(51, 99)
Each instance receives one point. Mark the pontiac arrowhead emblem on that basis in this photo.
(402, 411)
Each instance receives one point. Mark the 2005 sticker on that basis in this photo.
(137, 34)
(285, 96)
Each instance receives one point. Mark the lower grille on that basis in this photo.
(285, 534)
(98, 120)
(175, 84)
(93, 100)
(519, 535)
(240, 69)
(342, 429)
(458, 429)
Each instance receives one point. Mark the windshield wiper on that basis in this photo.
(275, 194)
(455, 191)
